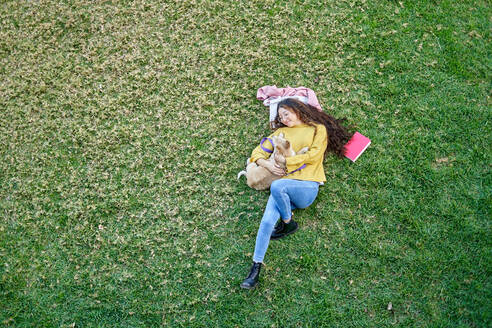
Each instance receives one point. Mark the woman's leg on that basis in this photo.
(270, 217)
(290, 194)
(283, 192)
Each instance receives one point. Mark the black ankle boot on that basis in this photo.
(279, 226)
(286, 229)
(252, 280)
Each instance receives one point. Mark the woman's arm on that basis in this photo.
(259, 153)
(315, 152)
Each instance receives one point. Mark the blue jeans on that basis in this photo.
(285, 195)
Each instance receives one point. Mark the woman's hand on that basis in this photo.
(271, 166)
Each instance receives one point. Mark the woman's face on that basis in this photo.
(288, 118)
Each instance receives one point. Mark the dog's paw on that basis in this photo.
(303, 151)
(279, 158)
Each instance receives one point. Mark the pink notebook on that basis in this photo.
(356, 146)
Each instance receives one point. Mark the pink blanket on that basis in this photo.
(272, 92)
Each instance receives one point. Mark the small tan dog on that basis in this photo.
(260, 178)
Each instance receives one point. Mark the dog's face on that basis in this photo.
(282, 145)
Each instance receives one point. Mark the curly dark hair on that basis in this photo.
(338, 135)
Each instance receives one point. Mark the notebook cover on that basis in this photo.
(356, 146)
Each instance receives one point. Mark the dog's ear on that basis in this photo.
(287, 144)
(281, 135)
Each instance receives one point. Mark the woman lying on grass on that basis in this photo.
(304, 126)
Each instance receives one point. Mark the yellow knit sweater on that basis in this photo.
(300, 136)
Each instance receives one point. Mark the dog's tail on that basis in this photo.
(241, 174)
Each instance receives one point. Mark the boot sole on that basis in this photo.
(247, 287)
(284, 235)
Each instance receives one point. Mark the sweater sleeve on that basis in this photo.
(259, 153)
(315, 152)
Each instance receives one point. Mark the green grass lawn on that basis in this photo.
(123, 125)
